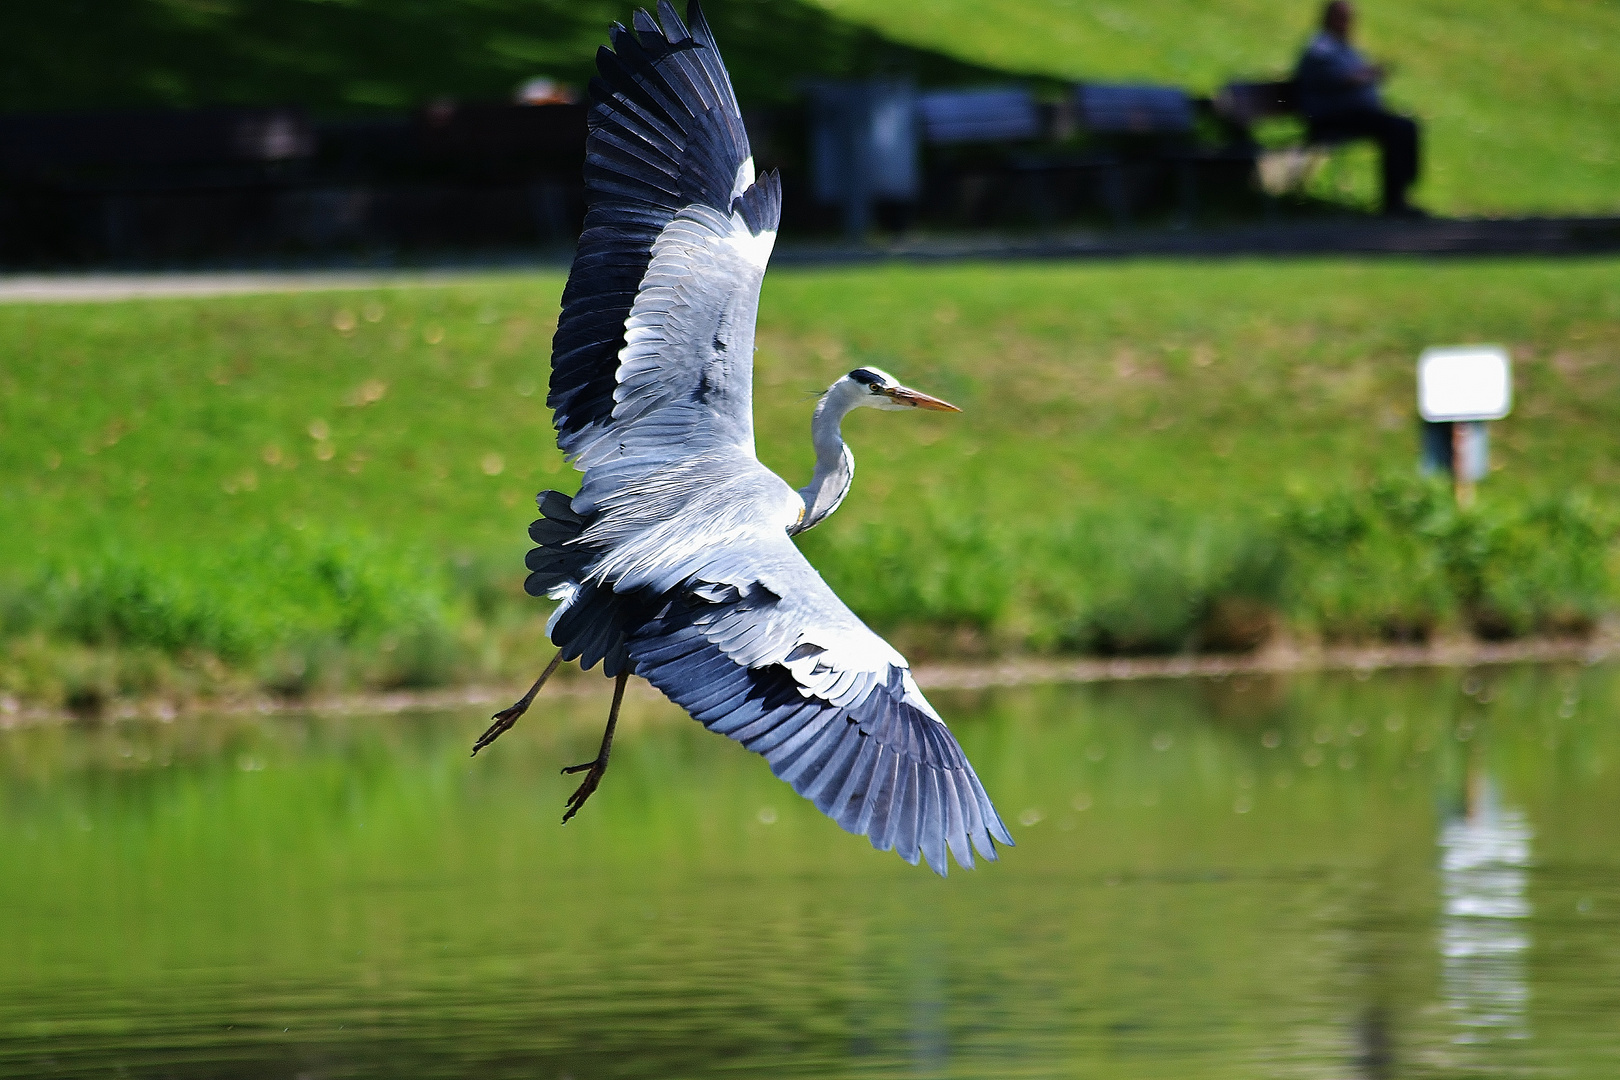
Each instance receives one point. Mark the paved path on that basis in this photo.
(1353, 236)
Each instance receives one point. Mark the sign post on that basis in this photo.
(1460, 388)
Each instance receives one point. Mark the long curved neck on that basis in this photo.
(835, 465)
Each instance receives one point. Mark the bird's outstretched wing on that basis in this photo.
(757, 647)
(653, 357)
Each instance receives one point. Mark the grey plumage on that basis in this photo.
(675, 559)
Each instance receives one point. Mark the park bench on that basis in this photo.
(992, 114)
(1007, 148)
(1138, 129)
(1143, 135)
(1241, 105)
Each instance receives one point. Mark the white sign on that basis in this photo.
(1468, 382)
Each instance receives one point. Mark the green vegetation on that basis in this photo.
(1394, 560)
(302, 491)
(1520, 100)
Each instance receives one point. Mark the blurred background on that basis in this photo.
(149, 132)
(280, 279)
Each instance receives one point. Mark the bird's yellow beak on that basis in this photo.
(904, 395)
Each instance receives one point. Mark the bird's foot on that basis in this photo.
(503, 723)
(597, 769)
(509, 715)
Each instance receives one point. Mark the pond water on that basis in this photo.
(1325, 876)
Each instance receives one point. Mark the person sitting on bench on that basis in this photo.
(1338, 93)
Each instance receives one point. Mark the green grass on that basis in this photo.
(1520, 100)
(331, 488)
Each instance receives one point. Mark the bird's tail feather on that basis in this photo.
(554, 563)
(591, 623)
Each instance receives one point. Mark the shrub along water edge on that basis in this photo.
(292, 611)
(287, 609)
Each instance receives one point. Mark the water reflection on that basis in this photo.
(1484, 873)
(1218, 880)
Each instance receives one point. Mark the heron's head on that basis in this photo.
(875, 388)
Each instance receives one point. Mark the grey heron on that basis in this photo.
(675, 560)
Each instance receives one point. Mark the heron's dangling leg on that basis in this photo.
(509, 715)
(599, 766)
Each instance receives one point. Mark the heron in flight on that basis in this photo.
(675, 561)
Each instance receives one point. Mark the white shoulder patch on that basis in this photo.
(744, 178)
(754, 248)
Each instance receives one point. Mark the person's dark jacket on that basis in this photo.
(1334, 79)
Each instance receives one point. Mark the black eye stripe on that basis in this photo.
(866, 375)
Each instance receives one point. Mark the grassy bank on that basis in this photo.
(331, 489)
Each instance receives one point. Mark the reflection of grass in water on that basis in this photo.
(363, 872)
(1146, 461)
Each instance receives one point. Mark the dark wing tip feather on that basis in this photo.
(674, 29)
(664, 133)
(761, 205)
(698, 24)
